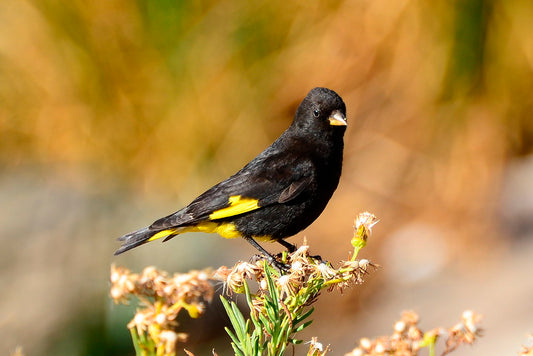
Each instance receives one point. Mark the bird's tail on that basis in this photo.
(142, 236)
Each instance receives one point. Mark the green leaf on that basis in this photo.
(272, 290)
(239, 318)
(284, 330)
(266, 324)
(135, 339)
(271, 309)
(299, 318)
(240, 336)
(230, 312)
(232, 336)
(303, 326)
(253, 314)
(237, 350)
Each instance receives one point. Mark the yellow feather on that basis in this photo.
(161, 234)
(264, 238)
(237, 206)
(226, 230)
(204, 226)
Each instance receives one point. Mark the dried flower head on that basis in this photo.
(363, 225)
(162, 298)
(304, 272)
(362, 230)
(527, 350)
(407, 338)
(282, 297)
(316, 348)
(465, 331)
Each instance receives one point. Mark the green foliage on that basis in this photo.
(144, 345)
(272, 327)
(282, 306)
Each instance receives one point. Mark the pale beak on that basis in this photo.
(337, 119)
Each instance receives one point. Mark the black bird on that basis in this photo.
(279, 193)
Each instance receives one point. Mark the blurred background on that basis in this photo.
(115, 113)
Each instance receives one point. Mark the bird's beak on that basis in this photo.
(337, 119)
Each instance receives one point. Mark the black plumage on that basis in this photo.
(279, 193)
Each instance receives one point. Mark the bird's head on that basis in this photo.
(321, 111)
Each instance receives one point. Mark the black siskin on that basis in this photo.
(279, 193)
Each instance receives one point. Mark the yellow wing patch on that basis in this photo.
(237, 205)
(162, 234)
(227, 230)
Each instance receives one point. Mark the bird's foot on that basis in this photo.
(317, 258)
(273, 261)
(256, 258)
(290, 247)
(280, 266)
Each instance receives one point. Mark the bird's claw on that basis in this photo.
(280, 266)
(274, 262)
(318, 258)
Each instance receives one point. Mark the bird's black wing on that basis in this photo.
(294, 190)
(271, 178)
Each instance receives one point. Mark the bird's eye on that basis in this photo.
(316, 113)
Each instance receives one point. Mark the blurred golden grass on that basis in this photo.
(163, 96)
(166, 96)
(151, 91)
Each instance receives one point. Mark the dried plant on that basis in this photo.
(527, 350)
(280, 307)
(163, 297)
(407, 338)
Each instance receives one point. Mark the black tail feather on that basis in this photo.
(134, 239)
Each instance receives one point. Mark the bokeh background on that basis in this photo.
(114, 113)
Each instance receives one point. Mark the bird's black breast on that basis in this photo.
(320, 165)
